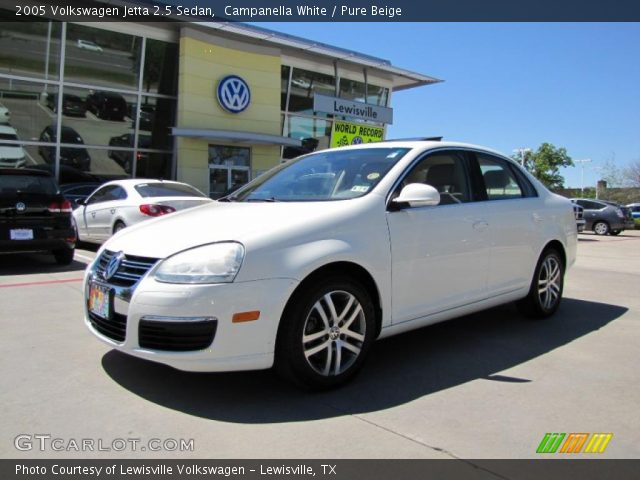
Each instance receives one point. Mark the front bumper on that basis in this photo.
(235, 346)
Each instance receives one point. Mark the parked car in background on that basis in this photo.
(75, 192)
(580, 221)
(76, 157)
(635, 213)
(601, 217)
(72, 105)
(11, 154)
(5, 115)
(87, 45)
(34, 216)
(629, 224)
(107, 105)
(305, 266)
(125, 158)
(122, 203)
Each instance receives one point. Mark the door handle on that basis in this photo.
(113, 210)
(480, 225)
(93, 214)
(537, 218)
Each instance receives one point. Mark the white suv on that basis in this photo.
(308, 264)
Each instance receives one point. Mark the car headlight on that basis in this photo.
(214, 263)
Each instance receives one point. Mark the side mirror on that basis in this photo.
(418, 195)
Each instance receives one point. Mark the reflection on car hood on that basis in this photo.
(11, 153)
(248, 223)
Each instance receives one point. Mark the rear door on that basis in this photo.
(515, 213)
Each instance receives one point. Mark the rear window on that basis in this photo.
(8, 136)
(167, 190)
(12, 184)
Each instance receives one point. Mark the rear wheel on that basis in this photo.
(118, 226)
(546, 288)
(63, 256)
(326, 333)
(601, 228)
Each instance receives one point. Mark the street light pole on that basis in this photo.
(522, 152)
(582, 162)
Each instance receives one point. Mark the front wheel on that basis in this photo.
(546, 288)
(601, 228)
(326, 333)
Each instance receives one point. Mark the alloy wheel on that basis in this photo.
(549, 282)
(334, 333)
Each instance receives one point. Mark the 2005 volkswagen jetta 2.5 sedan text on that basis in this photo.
(304, 267)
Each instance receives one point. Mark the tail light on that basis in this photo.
(155, 210)
(63, 206)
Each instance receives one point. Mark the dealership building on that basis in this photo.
(210, 104)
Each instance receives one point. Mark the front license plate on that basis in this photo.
(99, 300)
(21, 234)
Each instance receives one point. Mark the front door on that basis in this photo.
(440, 254)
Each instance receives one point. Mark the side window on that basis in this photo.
(101, 195)
(118, 193)
(499, 180)
(444, 171)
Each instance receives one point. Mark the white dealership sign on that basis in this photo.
(349, 108)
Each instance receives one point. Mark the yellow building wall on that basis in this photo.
(202, 65)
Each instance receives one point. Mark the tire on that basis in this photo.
(615, 232)
(118, 226)
(318, 349)
(601, 228)
(545, 293)
(64, 256)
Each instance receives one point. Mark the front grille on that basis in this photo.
(114, 327)
(176, 336)
(131, 270)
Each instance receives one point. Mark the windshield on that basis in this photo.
(329, 175)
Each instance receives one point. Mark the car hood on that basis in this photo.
(252, 224)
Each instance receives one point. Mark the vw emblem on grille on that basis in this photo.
(21, 207)
(233, 94)
(113, 265)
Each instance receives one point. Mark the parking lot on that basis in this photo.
(489, 385)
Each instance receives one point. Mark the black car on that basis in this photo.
(72, 156)
(147, 117)
(78, 191)
(107, 105)
(124, 158)
(34, 216)
(604, 218)
(72, 105)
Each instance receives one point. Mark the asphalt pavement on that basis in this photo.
(488, 385)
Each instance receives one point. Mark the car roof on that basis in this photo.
(132, 182)
(7, 129)
(423, 145)
(25, 171)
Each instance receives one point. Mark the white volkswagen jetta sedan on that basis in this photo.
(304, 267)
(122, 203)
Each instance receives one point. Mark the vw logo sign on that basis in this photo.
(113, 265)
(21, 207)
(233, 94)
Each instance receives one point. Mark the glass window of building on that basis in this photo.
(160, 68)
(284, 89)
(30, 49)
(229, 169)
(355, 90)
(314, 133)
(102, 57)
(304, 84)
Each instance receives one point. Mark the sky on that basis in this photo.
(510, 85)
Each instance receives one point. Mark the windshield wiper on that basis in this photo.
(268, 199)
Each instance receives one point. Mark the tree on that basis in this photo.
(611, 173)
(631, 174)
(545, 164)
